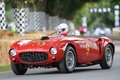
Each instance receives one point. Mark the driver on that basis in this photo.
(63, 28)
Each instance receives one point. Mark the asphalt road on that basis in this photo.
(81, 73)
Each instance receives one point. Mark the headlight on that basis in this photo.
(53, 50)
(12, 52)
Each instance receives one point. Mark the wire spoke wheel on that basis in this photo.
(70, 59)
(108, 56)
(107, 59)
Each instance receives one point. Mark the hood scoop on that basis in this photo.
(44, 38)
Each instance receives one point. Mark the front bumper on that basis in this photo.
(34, 58)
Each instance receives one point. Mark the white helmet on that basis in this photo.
(63, 27)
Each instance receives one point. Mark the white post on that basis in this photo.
(21, 19)
(84, 21)
(116, 13)
(2, 16)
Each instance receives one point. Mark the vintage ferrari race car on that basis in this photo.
(64, 52)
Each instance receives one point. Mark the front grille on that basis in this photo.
(33, 56)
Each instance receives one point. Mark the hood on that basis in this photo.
(45, 43)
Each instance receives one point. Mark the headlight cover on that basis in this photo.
(13, 52)
(53, 50)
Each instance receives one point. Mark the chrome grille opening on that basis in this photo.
(33, 56)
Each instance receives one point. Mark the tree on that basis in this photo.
(95, 19)
(34, 5)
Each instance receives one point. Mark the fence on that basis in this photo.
(35, 21)
(31, 21)
(39, 20)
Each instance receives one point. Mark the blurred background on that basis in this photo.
(31, 19)
(96, 17)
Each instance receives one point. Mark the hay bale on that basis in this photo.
(4, 48)
(6, 34)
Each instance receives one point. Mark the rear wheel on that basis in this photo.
(18, 69)
(107, 59)
(69, 61)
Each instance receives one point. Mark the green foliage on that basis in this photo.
(9, 16)
(95, 19)
(31, 1)
(5, 68)
(36, 5)
(8, 5)
(8, 12)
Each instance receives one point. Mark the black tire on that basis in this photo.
(69, 61)
(18, 69)
(107, 59)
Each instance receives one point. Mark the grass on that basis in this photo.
(5, 68)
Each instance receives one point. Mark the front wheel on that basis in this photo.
(107, 59)
(69, 61)
(18, 69)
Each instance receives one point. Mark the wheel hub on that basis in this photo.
(109, 56)
(70, 59)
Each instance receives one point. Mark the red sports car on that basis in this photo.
(64, 52)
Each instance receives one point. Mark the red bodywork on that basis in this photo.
(87, 49)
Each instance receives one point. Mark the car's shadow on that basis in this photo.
(51, 72)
